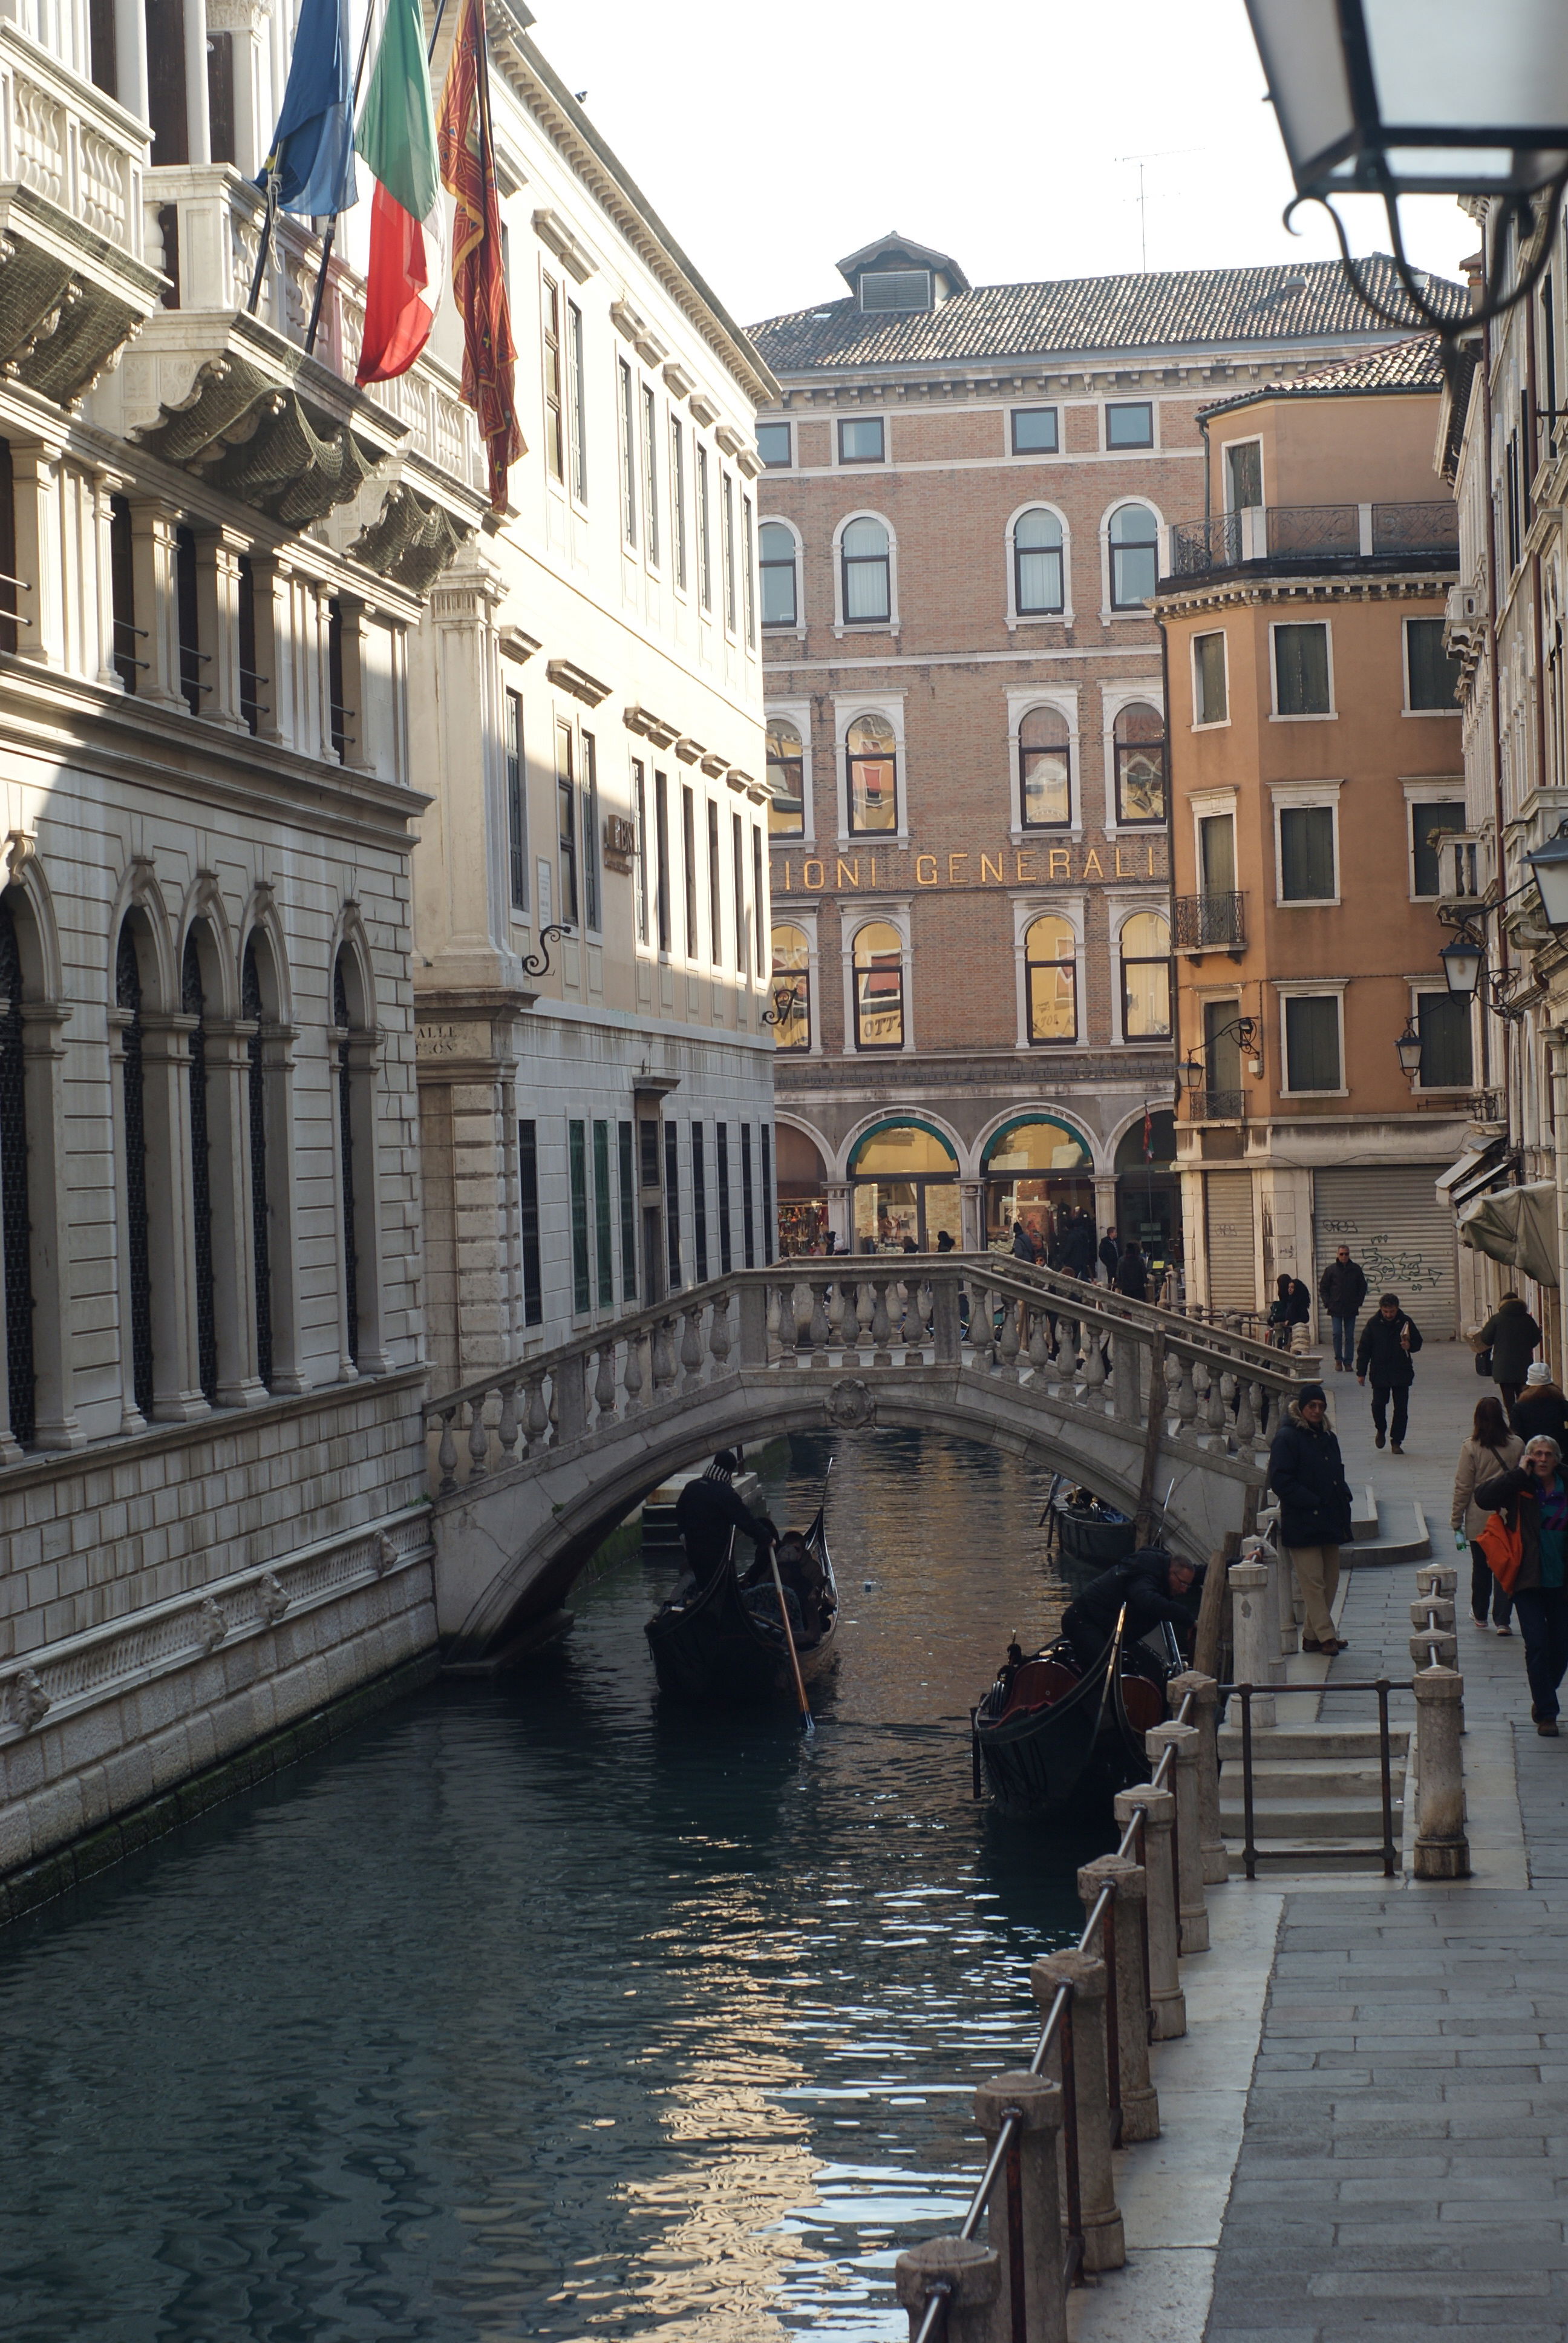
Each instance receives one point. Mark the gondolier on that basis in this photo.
(1150, 1583)
(708, 1510)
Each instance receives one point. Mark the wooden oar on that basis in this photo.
(807, 1726)
(1112, 1660)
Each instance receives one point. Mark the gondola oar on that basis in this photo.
(807, 1726)
(1112, 1662)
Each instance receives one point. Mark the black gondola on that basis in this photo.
(713, 1651)
(1088, 1530)
(1052, 1737)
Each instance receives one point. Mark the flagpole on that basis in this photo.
(436, 30)
(330, 237)
(264, 248)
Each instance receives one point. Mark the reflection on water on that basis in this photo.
(533, 2011)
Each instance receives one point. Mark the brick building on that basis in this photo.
(966, 498)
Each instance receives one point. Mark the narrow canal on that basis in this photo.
(531, 2011)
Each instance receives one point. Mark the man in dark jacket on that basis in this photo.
(707, 1511)
(1512, 1336)
(1078, 1252)
(1385, 1351)
(1109, 1255)
(1341, 1290)
(1307, 1474)
(1542, 1407)
(1151, 1584)
(1132, 1273)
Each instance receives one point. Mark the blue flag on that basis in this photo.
(313, 146)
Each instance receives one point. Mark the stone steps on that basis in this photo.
(1313, 1741)
(1306, 1820)
(1318, 1777)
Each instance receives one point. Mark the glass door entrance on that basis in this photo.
(892, 1215)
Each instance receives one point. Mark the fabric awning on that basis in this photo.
(1478, 1168)
(1517, 1226)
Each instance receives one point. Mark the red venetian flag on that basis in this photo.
(1147, 1136)
(478, 279)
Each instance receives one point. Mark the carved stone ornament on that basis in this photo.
(849, 1405)
(247, 434)
(29, 1700)
(385, 1556)
(212, 1624)
(271, 1600)
(411, 541)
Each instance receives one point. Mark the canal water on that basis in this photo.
(530, 2010)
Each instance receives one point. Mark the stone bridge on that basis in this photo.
(536, 1465)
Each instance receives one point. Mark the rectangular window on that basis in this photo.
(704, 530)
(627, 456)
(759, 901)
(1511, 501)
(1432, 678)
(726, 498)
(1034, 431)
(861, 439)
(1427, 824)
(1312, 1042)
(672, 1201)
(578, 396)
(700, 1201)
(1302, 671)
(567, 821)
(529, 1222)
(1244, 476)
(555, 413)
(650, 472)
(737, 872)
(628, 1168)
(576, 1158)
(603, 1217)
(677, 498)
(688, 844)
(1208, 679)
(1129, 423)
(1217, 853)
(639, 818)
(773, 447)
(765, 1140)
(748, 1212)
(1307, 854)
(1443, 1020)
(721, 1151)
(749, 570)
(516, 803)
(592, 912)
(715, 890)
(661, 857)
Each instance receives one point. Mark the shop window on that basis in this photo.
(873, 775)
(1039, 1174)
(802, 1194)
(791, 988)
(904, 1190)
(1045, 769)
(1145, 977)
(878, 974)
(1139, 747)
(1050, 981)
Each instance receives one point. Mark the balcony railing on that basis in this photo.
(1211, 923)
(1216, 1106)
(1309, 537)
(70, 144)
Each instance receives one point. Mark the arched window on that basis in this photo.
(1045, 771)
(1037, 577)
(879, 988)
(18, 1224)
(791, 988)
(1050, 981)
(867, 573)
(138, 1233)
(193, 1001)
(340, 1020)
(780, 598)
(252, 1009)
(1134, 556)
(871, 754)
(787, 780)
(1145, 977)
(1139, 744)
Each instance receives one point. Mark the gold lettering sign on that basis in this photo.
(1045, 865)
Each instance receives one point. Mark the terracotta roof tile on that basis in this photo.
(1413, 365)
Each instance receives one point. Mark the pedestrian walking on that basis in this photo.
(1490, 1450)
(1109, 1255)
(1291, 1307)
(1307, 1474)
(1132, 1273)
(1341, 1290)
(1385, 1351)
(1512, 1337)
(1532, 1499)
(1022, 1242)
(1543, 1408)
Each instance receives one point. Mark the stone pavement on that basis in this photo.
(1402, 2164)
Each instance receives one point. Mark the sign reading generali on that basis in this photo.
(1073, 865)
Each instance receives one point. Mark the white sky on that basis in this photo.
(773, 140)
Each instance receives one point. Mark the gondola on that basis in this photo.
(712, 1651)
(1052, 1738)
(1088, 1530)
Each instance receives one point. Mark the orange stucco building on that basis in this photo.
(1315, 759)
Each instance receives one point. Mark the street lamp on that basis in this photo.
(1550, 864)
(1190, 1073)
(1408, 1048)
(1462, 961)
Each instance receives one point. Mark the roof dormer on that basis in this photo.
(894, 276)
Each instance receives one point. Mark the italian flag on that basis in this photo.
(397, 138)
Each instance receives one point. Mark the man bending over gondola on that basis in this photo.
(707, 1511)
(1151, 1582)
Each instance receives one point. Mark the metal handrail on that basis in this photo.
(1101, 1919)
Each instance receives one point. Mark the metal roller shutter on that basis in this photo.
(1402, 1237)
(1232, 1253)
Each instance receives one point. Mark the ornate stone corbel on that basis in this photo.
(29, 1702)
(385, 1555)
(271, 1599)
(212, 1624)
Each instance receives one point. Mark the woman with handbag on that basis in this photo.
(1505, 1346)
(1491, 1449)
(1525, 1544)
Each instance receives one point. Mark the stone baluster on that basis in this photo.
(865, 1313)
(1186, 1396)
(1066, 1354)
(1205, 1713)
(1104, 2246)
(1039, 1344)
(1246, 1421)
(1192, 1906)
(1129, 1365)
(1036, 2107)
(446, 1453)
(691, 1346)
(774, 1335)
(1136, 2095)
(881, 1325)
(1214, 1410)
(1167, 2002)
(536, 1420)
(479, 1440)
(506, 1429)
(570, 1398)
(912, 1332)
(819, 1325)
(604, 1386)
(838, 1310)
(664, 1368)
(719, 1343)
(965, 2273)
(631, 1374)
(1008, 1343)
(1093, 1365)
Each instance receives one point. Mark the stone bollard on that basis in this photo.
(1442, 1848)
(1437, 1648)
(1250, 1613)
(973, 2274)
(1104, 2246)
(1433, 1611)
(1167, 2001)
(1438, 1578)
(1136, 2095)
(1037, 2102)
(1205, 1715)
(1192, 1906)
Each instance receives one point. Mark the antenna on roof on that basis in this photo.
(1161, 155)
